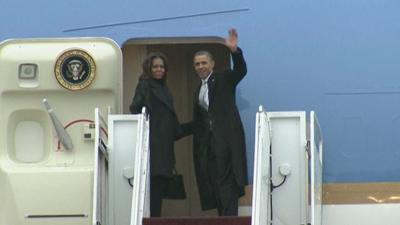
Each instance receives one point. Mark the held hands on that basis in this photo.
(232, 41)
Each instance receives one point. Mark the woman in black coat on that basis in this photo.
(152, 93)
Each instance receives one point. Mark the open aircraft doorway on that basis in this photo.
(182, 81)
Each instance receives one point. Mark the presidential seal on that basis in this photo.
(75, 69)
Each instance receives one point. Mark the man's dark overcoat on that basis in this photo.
(223, 122)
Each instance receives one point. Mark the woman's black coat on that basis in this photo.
(164, 126)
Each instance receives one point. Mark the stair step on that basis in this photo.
(225, 220)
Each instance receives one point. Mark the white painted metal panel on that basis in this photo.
(141, 196)
(316, 150)
(100, 172)
(123, 139)
(289, 201)
(261, 179)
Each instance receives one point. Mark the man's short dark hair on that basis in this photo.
(206, 53)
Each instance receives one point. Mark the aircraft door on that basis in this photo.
(48, 92)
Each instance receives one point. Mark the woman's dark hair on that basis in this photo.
(147, 63)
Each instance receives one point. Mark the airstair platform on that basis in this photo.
(242, 220)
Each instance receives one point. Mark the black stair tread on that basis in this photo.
(224, 220)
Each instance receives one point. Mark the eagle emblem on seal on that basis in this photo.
(75, 69)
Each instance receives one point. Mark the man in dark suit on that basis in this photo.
(219, 143)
